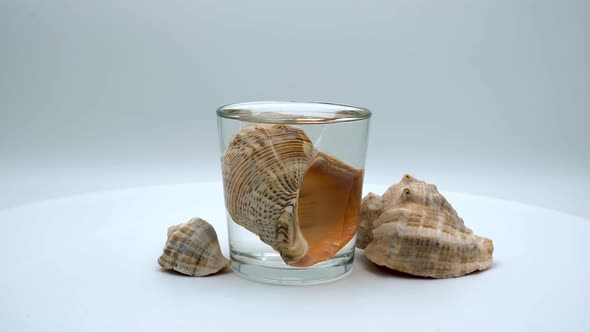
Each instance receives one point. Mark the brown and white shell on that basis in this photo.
(278, 185)
(413, 229)
(193, 249)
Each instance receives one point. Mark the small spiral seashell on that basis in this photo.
(193, 249)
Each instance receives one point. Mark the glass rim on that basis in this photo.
(282, 112)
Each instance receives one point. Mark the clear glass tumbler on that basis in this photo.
(292, 176)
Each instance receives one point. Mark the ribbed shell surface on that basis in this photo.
(419, 232)
(263, 168)
(193, 249)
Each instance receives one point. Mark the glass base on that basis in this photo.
(270, 268)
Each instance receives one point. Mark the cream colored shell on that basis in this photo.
(263, 168)
(193, 249)
(413, 229)
(302, 202)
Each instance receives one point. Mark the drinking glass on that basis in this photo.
(292, 177)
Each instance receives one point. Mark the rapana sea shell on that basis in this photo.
(193, 249)
(413, 229)
(302, 202)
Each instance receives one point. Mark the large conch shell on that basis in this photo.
(413, 229)
(193, 249)
(302, 202)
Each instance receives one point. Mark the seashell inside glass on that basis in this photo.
(292, 178)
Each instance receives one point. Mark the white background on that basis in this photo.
(483, 97)
(486, 97)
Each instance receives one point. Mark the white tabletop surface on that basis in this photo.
(88, 263)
